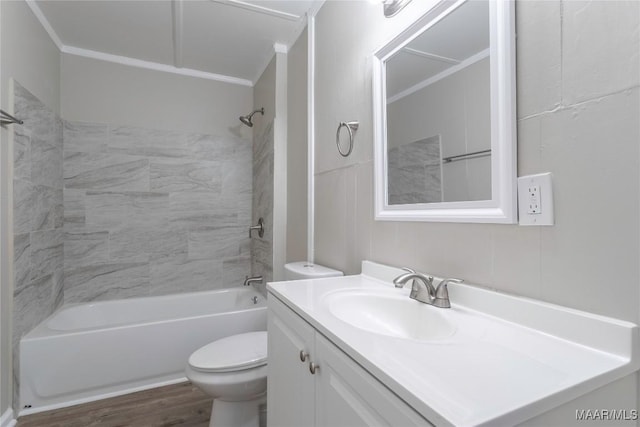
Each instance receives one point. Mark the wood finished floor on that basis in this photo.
(175, 405)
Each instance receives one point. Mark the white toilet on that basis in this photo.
(234, 369)
(307, 270)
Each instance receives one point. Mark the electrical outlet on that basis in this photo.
(535, 200)
(534, 207)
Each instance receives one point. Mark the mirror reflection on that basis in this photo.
(439, 112)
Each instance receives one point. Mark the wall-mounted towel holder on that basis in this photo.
(351, 128)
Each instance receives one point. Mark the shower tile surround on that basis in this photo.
(415, 172)
(37, 218)
(151, 212)
(262, 248)
(107, 212)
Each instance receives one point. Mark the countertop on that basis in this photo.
(510, 359)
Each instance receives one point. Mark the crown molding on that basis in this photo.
(443, 74)
(260, 9)
(45, 23)
(138, 63)
(280, 48)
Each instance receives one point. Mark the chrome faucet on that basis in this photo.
(251, 280)
(422, 288)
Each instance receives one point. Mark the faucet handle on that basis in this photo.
(442, 292)
(445, 282)
(259, 227)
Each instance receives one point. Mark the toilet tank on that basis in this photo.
(307, 270)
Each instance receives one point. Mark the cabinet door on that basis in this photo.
(290, 385)
(347, 395)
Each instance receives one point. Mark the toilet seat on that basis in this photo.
(233, 353)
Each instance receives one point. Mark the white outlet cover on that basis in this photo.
(543, 183)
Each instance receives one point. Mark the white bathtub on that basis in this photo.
(85, 352)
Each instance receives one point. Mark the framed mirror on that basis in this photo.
(445, 116)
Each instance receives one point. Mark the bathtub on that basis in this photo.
(91, 351)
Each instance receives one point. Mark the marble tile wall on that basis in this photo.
(37, 218)
(415, 172)
(262, 248)
(152, 212)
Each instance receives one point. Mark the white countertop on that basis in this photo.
(511, 358)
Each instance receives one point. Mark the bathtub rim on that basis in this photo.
(43, 331)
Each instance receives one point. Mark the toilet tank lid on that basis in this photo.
(304, 268)
(236, 352)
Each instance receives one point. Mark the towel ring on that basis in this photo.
(351, 128)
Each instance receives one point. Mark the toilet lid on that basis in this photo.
(232, 353)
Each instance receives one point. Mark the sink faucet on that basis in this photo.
(250, 280)
(422, 288)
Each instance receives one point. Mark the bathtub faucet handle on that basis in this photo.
(251, 280)
(259, 227)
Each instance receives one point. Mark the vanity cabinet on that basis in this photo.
(311, 382)
(290, 385)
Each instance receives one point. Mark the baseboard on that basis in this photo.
(6, 420)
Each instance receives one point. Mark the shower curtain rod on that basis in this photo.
(6, 118)
(464, 156)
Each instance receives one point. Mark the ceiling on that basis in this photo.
(227, 40)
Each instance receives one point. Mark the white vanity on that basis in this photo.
(355, 350)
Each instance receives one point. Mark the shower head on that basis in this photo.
(247, 119)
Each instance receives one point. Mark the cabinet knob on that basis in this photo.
(303, 355)
(313, 368)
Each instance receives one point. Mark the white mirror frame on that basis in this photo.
(502, 208)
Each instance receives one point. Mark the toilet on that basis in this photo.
(233, 370)
(306, 270)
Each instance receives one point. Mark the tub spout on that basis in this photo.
(251, 280)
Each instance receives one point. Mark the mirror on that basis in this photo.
(444, 94)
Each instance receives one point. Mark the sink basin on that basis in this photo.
(388, 313)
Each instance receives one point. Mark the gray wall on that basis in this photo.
(151, 212)
(96, 91)
(29, 56)
(37, 218)
(297, 151)
(578, 107)
(585, 132)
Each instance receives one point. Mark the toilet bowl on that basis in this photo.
(233, 370)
